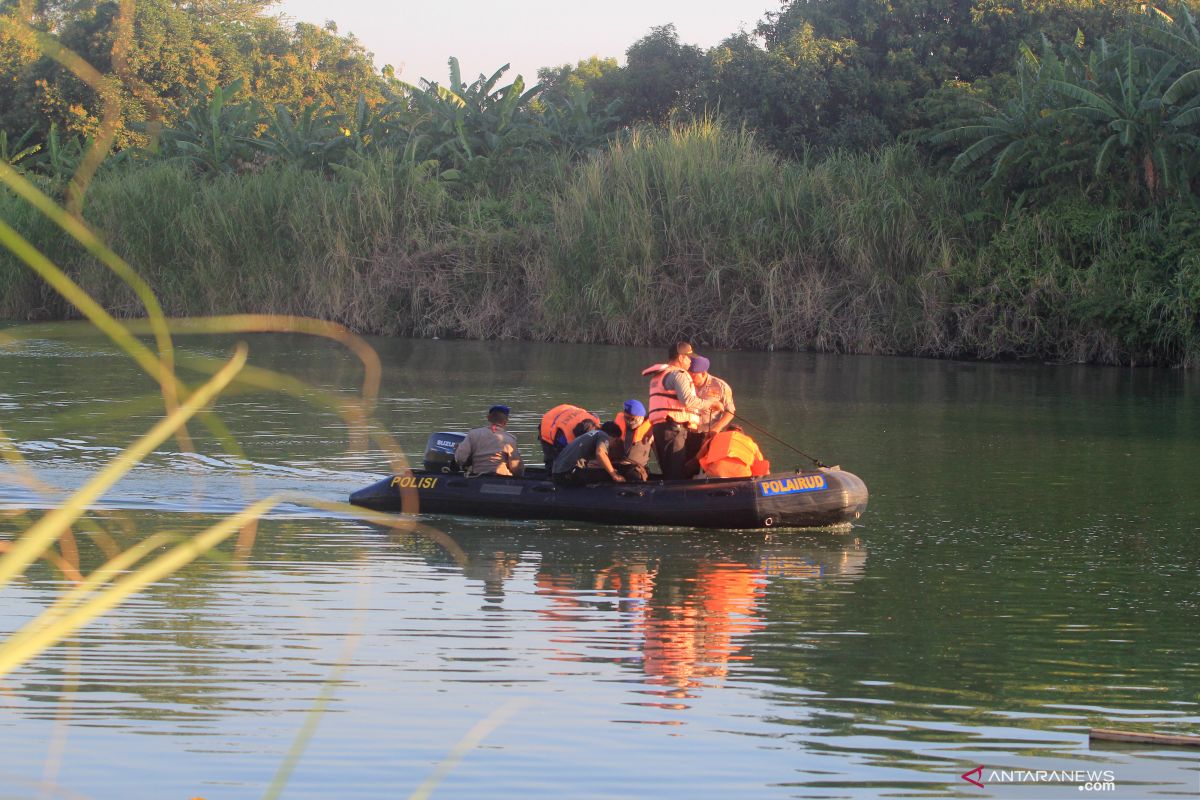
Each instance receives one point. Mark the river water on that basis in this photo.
(1026, 570)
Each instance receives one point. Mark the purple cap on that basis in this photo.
(699, 364)
(635, 408)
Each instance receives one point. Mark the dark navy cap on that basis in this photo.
(635, 408)
(501, 409)
(699, 364)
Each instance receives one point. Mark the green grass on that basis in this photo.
(691, 231)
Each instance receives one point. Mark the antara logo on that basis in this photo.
(1086, 780)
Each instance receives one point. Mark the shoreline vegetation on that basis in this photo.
(1026, 214)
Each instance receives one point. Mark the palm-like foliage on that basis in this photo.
(15, 152)
(1149, 139)
(1014, 135)
(480, 120)
(571, 124)
(214, 134)
(314, 138)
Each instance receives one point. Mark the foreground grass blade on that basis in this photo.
(47, 530)
(46, 631)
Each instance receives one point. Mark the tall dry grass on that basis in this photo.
(698, 231)
(691, 231)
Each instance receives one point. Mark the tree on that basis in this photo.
(164, 60)
(661, 76)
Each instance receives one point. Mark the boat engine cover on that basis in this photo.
(439, 452)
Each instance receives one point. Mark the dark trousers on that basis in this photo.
(549, 452)
(674, 445)
(634, 473)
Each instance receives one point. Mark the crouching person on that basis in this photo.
(630, 450)
(490, 449)
(732, 454)
(585, 460)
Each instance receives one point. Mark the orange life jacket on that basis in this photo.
(639, 433)
(732, 454)
(664, 403)
(564, 418)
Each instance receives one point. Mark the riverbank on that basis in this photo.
(695, 231)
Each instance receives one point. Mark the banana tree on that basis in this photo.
(480, 120)
(15, 152)
(1018, 137)
(572, 125)
(215, 134)
(1150, 139)
(315, 137)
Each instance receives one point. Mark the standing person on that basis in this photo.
(709, 387)
(630, 452)
(560, 425)
(490, 449)
(585, 460)
(674, 410)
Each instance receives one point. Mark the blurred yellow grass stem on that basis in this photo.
(77, 297)
(107, 89)
(75, 226)
(47, 530)
(51, 627)
(279, 323)
(79, 231)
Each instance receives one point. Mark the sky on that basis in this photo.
(418, 37)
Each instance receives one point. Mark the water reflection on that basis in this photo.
(680, 613)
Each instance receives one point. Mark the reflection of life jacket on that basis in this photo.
(563, 419)
(635, 444)
(664, 403)
(732, 454)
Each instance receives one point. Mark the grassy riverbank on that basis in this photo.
(695, 231)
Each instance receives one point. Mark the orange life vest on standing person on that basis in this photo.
(732, 454)
(664, 403)
(564, 418)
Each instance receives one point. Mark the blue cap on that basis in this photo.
(699, 364)
(635, 408)
(501, 409)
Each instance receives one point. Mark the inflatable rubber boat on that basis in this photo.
(803, 499)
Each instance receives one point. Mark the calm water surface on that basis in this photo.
(1027, 569)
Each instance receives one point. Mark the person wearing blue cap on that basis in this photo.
(490, 449)
(714, 418)
(631, 450)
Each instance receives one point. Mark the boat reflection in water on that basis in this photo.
(679, 612)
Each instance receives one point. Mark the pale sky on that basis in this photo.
(418, 37)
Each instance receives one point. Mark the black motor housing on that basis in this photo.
(439, 452)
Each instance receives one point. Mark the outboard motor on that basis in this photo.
(439, 452)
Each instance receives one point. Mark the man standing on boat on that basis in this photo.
(674, 410)
(709, 387)
(490, 449)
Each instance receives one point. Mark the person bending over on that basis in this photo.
(560, 425)
(585, 460)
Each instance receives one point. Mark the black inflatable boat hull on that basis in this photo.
(795, 500)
